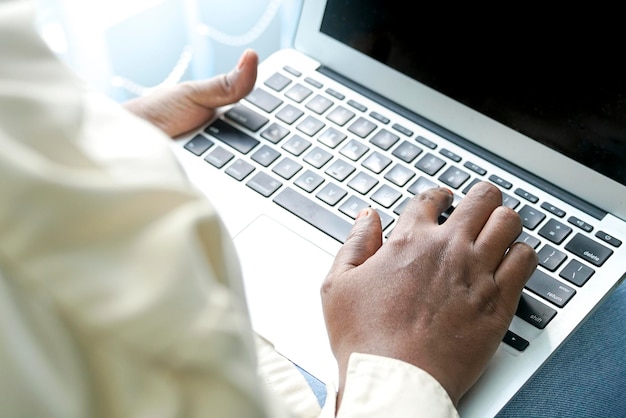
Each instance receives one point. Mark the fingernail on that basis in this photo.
(362, 213)
(242, 60)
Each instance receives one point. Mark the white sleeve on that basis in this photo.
(120, 291)
(384, 387)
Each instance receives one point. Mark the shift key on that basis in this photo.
(534, 312)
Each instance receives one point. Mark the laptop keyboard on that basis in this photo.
(323, 156)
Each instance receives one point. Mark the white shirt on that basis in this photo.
(120, 290)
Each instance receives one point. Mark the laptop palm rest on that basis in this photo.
(286, 308)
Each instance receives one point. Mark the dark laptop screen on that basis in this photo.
(558, 77)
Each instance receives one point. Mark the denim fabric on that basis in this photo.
(587, 376)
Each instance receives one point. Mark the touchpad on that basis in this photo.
(282, 274)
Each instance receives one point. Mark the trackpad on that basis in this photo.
(282, 274)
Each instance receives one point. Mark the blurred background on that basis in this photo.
(125, 48)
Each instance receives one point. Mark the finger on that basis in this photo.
(472, 213)
(228, 88)
(424, 207)
(514, 271)
(501, 229)
(363, 241)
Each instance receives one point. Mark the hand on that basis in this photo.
(440, 297)
(184, 107)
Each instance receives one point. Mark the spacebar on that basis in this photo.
(315, 214)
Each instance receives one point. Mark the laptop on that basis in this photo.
(373, 105)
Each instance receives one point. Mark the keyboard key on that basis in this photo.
(515, 341)
(526, 195)
(449, 154)
(528, 239)
(314, 214)
(287, 168)
(379, 117)
(358, 106)
(385, 219)
(339, 170)
(534, 312)
(277, 82)
(430, 164)
(263, 100)
(576, 272)
(246, 117)
(263, 183)
(292, 71)
(318, 157)
(550, 289)
(500, 181)
(399, 208)
(352, 206)
(218, 157)
(354, 150)
(454, 177)
(426, 142)
(265, 155)
(362, 183)
(550, 258)
(275, 133)
(319, 104)
(399, 175)
(296, 145)
(362, 127)
(198, 144)
(376, 162)
(331, 194)
(384, 139)
(555, 231)
(509, 201)
(553, 209)
(340, 115)
(407, 151)
(580, 223)
(310, 126)
(240, 169)
(314, 82)
(402, 129)
(609, 239)
(335, 94)
(309, 181)
(331, 137)
(298, 93)
(386, 196)
(231, 136)
(475, 168)
(531, 217)
(289, 114)
(588, 250)
(422, 184)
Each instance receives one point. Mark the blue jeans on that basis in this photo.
(585, 378)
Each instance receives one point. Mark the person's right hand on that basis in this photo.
(440, 297)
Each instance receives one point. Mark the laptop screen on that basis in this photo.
(552, 76)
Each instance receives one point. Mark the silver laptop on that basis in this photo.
(374, 105)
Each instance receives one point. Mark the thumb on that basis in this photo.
(363, 241)
(227, 88)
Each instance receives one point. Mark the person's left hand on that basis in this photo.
(186, 106)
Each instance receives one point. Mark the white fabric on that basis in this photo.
(120, 292)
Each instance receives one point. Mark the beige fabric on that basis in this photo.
(120, 292)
